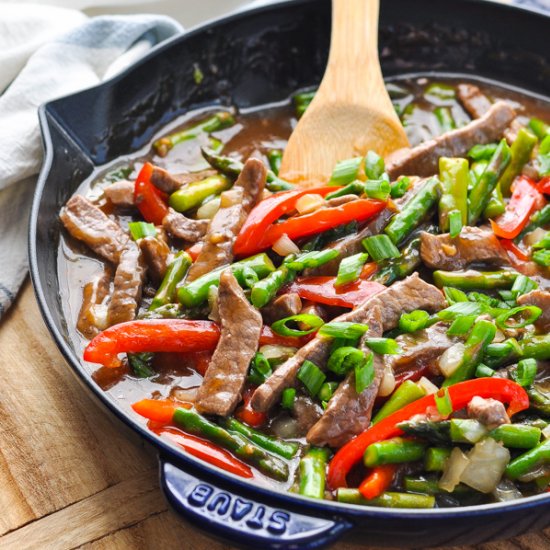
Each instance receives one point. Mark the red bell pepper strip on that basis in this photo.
(513, 249)
(245, 413)
(267, 337)
(150, 200)
(524, 200)
(460, 395)
(323, 291)
(267, 212)
(176, 335)
(158, 410)
(205, 451)
(297, 227)
(378, 481)
(543, 186)
(166, 335)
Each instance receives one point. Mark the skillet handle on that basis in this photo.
(242, 521)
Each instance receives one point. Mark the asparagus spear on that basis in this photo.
(534, 347)
(435, 432)
(285, 449)
(496, 204)
(436, 458)
(194, 423)
(312, 472)
(521, 152)
(426, 486)
(453, 173)
(196, 292)
(193, 195)
(265, 290)
(275, 156)
(393, 451)
(219, 121)
(302, 101)
(176, 271)
(414, 211)
(232, 168)
(387, 499)
(471, 280)
(482, 189)
(406, 393)
(528, 461)
(481, 336)
(517, 436)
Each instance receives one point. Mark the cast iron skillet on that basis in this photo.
(249, 59)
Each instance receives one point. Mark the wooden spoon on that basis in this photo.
(352, 112)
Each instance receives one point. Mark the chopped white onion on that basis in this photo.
(506, 490)
(427, 385)
(486, 464)
(546, 432)
(455, 465)
(309, 203)
(285, 246)
(209, 209)
(277, 354)
(451, 358)
(387, 384)
(534, 236)
(99, 314)
(499, 337)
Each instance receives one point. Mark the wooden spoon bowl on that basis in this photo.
(352, 112)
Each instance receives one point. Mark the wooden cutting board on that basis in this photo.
(70, 475)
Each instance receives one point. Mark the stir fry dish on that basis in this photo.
(380, 340)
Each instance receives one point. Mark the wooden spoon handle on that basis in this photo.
(354, 39)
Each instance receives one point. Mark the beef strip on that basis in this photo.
(181, 227)
(348, 413)
(511, 133)
(423, 159)
(420, 349)
(473, 100)
(156, 254)
(352, 244)
(489, 411)
(241, 326)
(87, 223)
(228, 220)
(306, 412)
(471, 246)
(539, 298)
(169, 183)
(403, 296)
(120, 193)
(92, 317)
(311, 308)
(128, 285)
(283, 306)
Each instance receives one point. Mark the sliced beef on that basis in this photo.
(283, 306)
(180, 227)
(128, 285)
(420, 349)
(490, 412)
(403, 296)
(423, 159)
(352, 244)
(165, 181)
(241, 325)
(228, 220)
(89, 224)
(311, 308)
(92, 317)
(511, 133)
(473, 245)
(348, 413)
(306, 412)
(539, 298)
(120, 193)
(473, 99)
(156, 254)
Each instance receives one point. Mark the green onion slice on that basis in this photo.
(350, 268)
(374, 165)
(455, 223)
(526, 372)
(345, 171)
(312, 377)
(377, 189)
(542, 257)
(260, 369)
(364, 374)
(400, 187)
(140, 230)
(288, 397)
(327, 390)
(348, 331)
(344, 359)
(413, 321)
(380, 247)
(383, 346)
(313, 321)
(529, 315)
(454, 295)
(483, 371)
(443, 402)
(461, 325)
